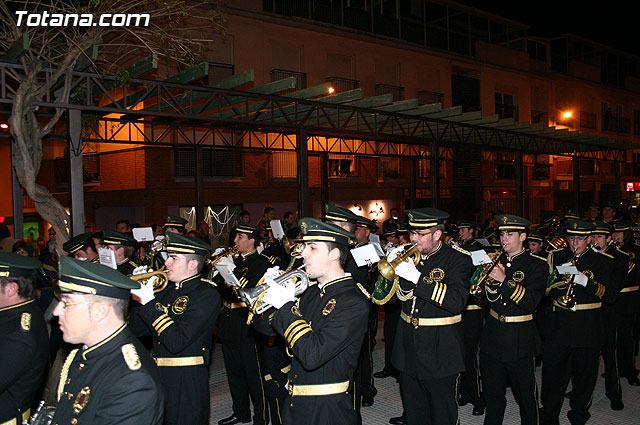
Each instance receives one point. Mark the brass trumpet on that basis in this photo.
(387, 269)
(158, 285)
(291, 245)
(214, 259)
(476, 288)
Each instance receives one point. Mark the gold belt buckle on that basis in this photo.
(415, 322)
(501, 318)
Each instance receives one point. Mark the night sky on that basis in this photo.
(613, 23)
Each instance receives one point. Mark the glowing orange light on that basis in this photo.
(331, 90)
(567, 114)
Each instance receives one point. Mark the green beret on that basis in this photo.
(423, 218)
(316, 230)
(16, 265)
(579, 227)
(112, 237)
(78, 243)
(602, 228)
(85, 277)
(621, 225)
(508, 222)
(181, 244)
(335, 213)
(174, 221)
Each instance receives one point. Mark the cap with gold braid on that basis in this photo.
(535, 236)
(423, 218)
(111, 237)
(602, 228)
(15, 265)
(181, 244)
(78, 243)
(390, 228)
(508, 223)
(315, 230)
(242, 227)
(621, 225)
(335, 213)
(84, 277)
(174, 221)
(462, 224)
(579, 227)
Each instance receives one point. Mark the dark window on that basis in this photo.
(505, 107)
(465, 92)
(588, 120)
(636, 123)
(215, 163)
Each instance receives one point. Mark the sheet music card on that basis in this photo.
(480, 257)
(365, 255)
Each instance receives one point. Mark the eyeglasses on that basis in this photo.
(577, 238)
(66, 304)
(419, 233)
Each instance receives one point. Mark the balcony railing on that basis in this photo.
(396, 91)
(426, 97)
(343, 84)
(301, 77)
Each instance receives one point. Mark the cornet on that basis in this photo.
(158, 285)
(476, 288)
(387, 269)
(253, 297)
(215, 259)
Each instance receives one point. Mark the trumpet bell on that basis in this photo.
(158, 284)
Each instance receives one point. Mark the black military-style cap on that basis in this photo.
(508, 222)
(335, 213)
(494, 240)
(621, 225)
(16, 265)
(535, 236)
(242, 227)
(174, 221)
(402, 227)
(364, 222)
(389, 228)
(181, 244)
(85, 277)
(594, 205)
(78, 243)
(423, 218)
(602, 228)
(571, 215)
(316, 230)
(462, 224)
(112, 237)
(608, 205)
(579, 227)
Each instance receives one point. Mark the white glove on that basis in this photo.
(407, 270)
(278, 295)
(581, 279)
(228, 262)
(218, 251)
(141, 270)
(145, 293)
(394, 252)
(272, 273)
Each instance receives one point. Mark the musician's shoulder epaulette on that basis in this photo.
(209, 281)
(464, 251)
(271, 258)
(133, 264)
(605, 254)
(538, 257)
(364, 291)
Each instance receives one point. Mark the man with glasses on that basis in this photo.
(510, 339)
(575, 331)
(23, 338)
(110, 378)
(428, 350)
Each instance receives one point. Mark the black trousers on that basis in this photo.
(560, 364)
(626, 348)
(391, 316)
(186, 392)
(364, 369)
(430, 401)
(470, 390)
(275, 365)
(610, 356)
(244, 374)
(496, 375)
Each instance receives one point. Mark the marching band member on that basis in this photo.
(323, 330)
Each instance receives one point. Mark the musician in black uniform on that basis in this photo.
(535, 242)
(274, 250)
(239, 346)
(510, 339)
(122, 244)
(428, 350)
(575, 330)
(627, 306)
(472, 321)
(82, 247)
(175, 224)
(24, 352)
(110, 379)
(323, 330)
(181, 318)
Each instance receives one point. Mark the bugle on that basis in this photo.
(387, 268)
(476, 288)
(215, 259)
